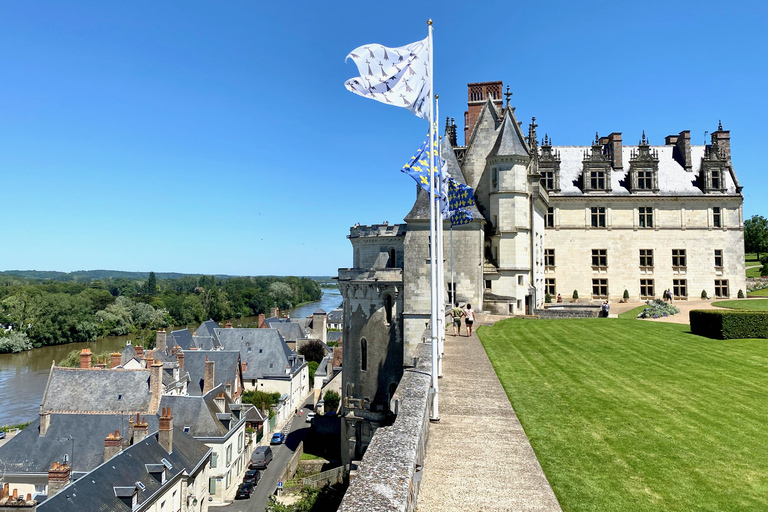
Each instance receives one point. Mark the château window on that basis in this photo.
(599, 288)
(716, 217)
(646, 259)
(548, 179)
(550, 217)
(391, 262)
(597, 180)
(600, 259)
(715, 178)
(487, 284)
(646, 216)
(719, 258)
(721, 288)
(598, 217)
(549, 259)
(645, 180)
(680, 289)
(646, 289)
(388, 308)
(678, 260)
(549, 286)
(363, 354)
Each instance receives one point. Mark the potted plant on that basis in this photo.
(548, 298)
(575, 296)
(704, 294)
(626, 296)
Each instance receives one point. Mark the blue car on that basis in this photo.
(277, 438)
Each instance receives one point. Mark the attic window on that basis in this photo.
(249, 349)
(166, 463)
(141, 486)
(186, 429)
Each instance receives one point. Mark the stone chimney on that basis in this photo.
(275, 312)
(262, 324)
(319, 324)
(127, 441)
(614, 150)
(180, 358)
(682, 151)
(160, 340)
(149, 359)
(114, 359)
(139, 350)
(155, 385)
(165, 431)
(723, 140)
(140, 429)
(58, 477)
(45, 421)
(112, 445)
(85, 358)
(208, 375)
(228, 325)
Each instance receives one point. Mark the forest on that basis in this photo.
(35, 312)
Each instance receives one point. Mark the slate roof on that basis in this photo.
(336, 316)
(197, 412)
(259, 348)
(674, 180)
(206, 328)
(290, 331)
(29, 452)
(333, 336)
(510, 140)
(225, 368)
(181, 338)
(99, 390)
(96, 491)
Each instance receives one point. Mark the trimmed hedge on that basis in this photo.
(729, 324)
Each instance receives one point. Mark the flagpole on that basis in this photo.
(440, 260)
(435, 416)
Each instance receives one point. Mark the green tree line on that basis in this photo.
(36, 313)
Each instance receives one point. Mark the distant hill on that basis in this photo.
(93, 275)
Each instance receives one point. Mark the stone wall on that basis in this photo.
(566, 312)
(389, 476)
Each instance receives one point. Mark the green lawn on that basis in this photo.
(632, 313)
(752, 305)
(758, 293)
(638, 416)
(751, 258)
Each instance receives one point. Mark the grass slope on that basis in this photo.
(758, 293)
(638, 416)
(750, 305)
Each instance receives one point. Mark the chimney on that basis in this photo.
(243, 367)
(165, 432)
(45, 421)
(139, 350)
(208, 375)
(155, 385)
(160, 340)
(149, 359)
(477, 94)
(112, 445)
(58, 478)
(682, 151)
(614, 148)
(723, 140)
(131, 423)
(85, 358)
(180, 358)
(319, 326)
(4, 492)
(114, 359)
(262, 324)
(228, 325)
(139, 430)
(275, 312)
(287, 369)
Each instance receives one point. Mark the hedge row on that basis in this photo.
(729, 324)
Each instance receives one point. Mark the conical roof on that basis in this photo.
(510, 141)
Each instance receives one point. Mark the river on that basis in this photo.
(23, 376)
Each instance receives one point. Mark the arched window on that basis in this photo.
(391, 262)
(388, 308)
(363, 354)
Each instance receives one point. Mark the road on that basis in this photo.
(295, 430)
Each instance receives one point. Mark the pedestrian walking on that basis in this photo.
(469, 318)
(456, 314)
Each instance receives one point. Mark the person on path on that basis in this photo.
(456, 314)
(469, 319)
(559, 298)
(606, 309)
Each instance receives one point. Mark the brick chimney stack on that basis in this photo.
(85, 358)
(228, 325)
(614, 148)
(115, 359)
(208, 375)
(165, 432)
(112, 445)
(477, 95)
(149, 358)
(275, 312)
(139, 350)
(262, 324)
(155, 385)
(127, 441)
(180, 358)
(4, 491)
(160, 340)
(58, 477)
(140, 429)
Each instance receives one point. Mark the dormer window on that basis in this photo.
(597, 180)
(713, 168)
(596, 170)
(549, 166)
(643, 168)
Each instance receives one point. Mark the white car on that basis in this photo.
(310, 416)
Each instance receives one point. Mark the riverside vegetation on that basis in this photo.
(39, 312)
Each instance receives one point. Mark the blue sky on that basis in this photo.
(217, 137)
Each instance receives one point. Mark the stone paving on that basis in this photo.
(478, 456)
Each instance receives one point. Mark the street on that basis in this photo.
(295, 431)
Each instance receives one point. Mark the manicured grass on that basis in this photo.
(632, 313)
(752, 305)
(758, 293)
(638, 416)
(753, 272)
(751, 259)
(309, 456)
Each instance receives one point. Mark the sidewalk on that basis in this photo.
(478, 456)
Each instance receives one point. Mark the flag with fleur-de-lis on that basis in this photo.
(460, 216)
(418, 169)
(396, 76)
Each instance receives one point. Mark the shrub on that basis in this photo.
(547, 298)
(575, 294)
(331, 400)
(729, 324)
(14, 342)
(764, 260)
(741, 294)
(626, 294)
(657, 309)
(313, 350)
(704, 294)
(764, 270)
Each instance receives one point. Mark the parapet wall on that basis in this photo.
(387, 479)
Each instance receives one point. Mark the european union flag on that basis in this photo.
(460, 216)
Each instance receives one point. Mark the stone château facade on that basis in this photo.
(596, 219)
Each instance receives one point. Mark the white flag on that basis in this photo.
(398, 76)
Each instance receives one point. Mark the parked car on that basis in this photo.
(2, 434)
(261, 457)
(277, 438)
(252, 476)
(244, 491)
(310, 417)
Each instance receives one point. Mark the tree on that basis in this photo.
(331, 400)
(756, 235)
(282, 293)
(14, 342)
(313, 350)
(152, 284)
